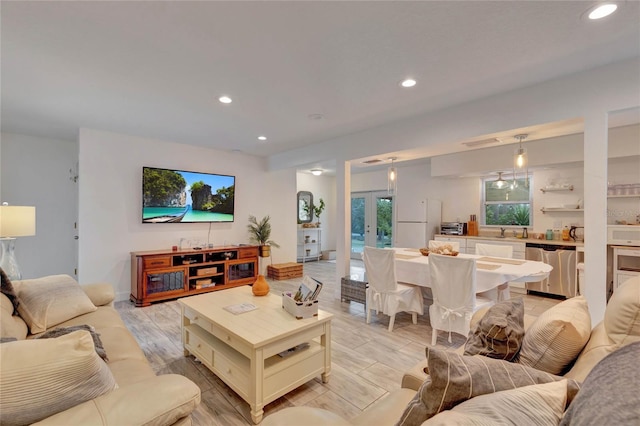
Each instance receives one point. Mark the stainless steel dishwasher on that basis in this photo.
(562, 279)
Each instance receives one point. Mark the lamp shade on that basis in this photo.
(17, 221)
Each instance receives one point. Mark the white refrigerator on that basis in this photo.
(417, 221)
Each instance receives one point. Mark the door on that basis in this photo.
(371, 221)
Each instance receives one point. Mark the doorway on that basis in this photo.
(371, 221)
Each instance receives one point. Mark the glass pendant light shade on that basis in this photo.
(392, 178)
(520, 163)
(499, 183)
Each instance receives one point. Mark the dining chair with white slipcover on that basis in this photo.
(384, 293)
(502, 291)
(453, 284)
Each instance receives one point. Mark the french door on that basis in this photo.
(371, 221)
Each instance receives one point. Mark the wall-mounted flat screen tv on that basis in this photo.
(170, 196)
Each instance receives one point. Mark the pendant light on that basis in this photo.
(499, 183)
(392, 178)
(520, 162)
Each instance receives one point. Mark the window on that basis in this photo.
(510, 205)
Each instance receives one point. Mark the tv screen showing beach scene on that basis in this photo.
(171, 196)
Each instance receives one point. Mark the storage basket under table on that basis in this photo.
(353, 290)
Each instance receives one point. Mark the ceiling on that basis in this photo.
(298, 72)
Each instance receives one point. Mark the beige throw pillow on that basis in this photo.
(455, 378)
(535, 405)
(49, 301)
(42, 377)
(557, 337)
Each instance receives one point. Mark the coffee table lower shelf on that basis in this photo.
(281, 374)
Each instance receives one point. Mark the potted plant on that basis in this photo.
(260, 233)
(318, 209)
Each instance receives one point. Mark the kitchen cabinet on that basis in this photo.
(309, 244)
(626, 264)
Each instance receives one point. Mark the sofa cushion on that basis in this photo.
(455, 378)
(500, 331)
(48, 301)
(621, 326)
(535, 405)
(7, 289)
(61, 331)
(11, 325)
(557, 337)
(622, 316)
(609, 394)
(43, 377)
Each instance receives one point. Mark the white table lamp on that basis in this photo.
(15, 221)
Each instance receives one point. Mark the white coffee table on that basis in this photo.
(243, 349)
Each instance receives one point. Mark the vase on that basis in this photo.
(260, 287)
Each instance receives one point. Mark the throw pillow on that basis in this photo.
(455, 378)
(609, 395)
(499, 332)
(43, 377)
(8, 290)
(535, 405)
(61, 331)
(49, 301)
(554, 340)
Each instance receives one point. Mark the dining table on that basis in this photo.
(412, 267)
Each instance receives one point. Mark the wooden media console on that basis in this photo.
(165, 274)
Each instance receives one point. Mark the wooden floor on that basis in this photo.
(368, 361)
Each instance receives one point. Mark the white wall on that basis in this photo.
(110, 202)
(34, 171)
(322, 187)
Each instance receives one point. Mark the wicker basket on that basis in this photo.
(353, 290)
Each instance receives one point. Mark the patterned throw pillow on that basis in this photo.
(61, 331)
(499, 332)
(554, 341)
(455, 378)
(8, 290)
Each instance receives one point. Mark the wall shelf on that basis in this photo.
(553, 210)
(553, 189)
(624, 196)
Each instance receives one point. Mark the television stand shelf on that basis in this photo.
(165, 274)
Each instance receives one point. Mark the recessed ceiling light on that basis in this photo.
(602, 10)
(225, 99)
(316, 172)
(262, 138)
(409, 82)
(315, 117)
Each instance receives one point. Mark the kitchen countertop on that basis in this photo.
(517, 240)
